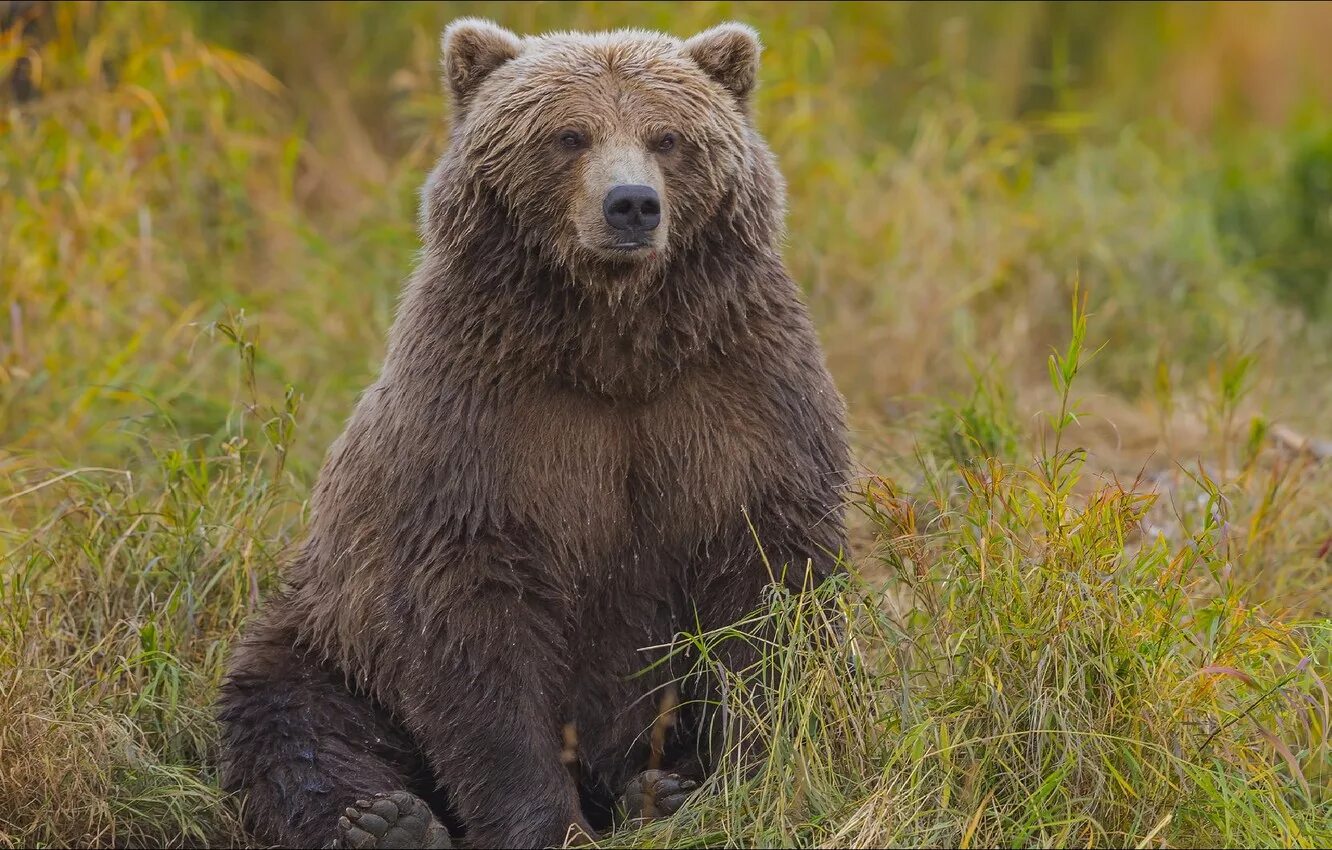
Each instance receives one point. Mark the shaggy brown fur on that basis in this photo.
(566, 459)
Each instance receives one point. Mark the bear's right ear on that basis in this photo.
(473, 48)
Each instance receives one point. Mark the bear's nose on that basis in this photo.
(632, 208)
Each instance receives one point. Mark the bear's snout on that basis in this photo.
(632, 210)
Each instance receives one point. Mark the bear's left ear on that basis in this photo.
(473, 48)
(729, 53)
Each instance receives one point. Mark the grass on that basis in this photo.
(1089, 594)
(1038, 671)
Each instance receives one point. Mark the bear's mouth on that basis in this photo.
(629, 247)
(626, 249)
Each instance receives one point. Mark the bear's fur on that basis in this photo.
(567, 459)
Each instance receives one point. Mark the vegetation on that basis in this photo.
(1090, 590)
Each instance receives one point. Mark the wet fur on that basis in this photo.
(564, 461)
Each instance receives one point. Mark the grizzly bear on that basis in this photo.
(604, 419)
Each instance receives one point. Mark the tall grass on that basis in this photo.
(118, 606)
(1041, 670)
(1089, 597)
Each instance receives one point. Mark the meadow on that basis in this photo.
(1072, 268)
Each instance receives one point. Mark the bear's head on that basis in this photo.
(608, 152)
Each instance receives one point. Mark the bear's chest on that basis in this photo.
(597, 477)
(696, 459)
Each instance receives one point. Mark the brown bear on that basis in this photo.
(604, 419)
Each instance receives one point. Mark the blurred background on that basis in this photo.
(954, 170)
(207, 210)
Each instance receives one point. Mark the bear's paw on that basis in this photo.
(399, 819)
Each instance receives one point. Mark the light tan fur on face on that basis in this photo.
(621, 161)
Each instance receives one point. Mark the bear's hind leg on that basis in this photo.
(321, 766)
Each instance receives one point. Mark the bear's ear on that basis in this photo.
(473, 48)
(729, 53)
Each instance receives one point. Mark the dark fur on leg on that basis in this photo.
(301, 744)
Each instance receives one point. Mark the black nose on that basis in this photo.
(632, 208)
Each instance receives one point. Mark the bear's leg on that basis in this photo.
(798, 554)
(492, 728)
(321, 766)
(658, 793)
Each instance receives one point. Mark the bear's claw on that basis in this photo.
(655, 794)
(387, 821)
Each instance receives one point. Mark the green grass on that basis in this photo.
(1089, 594)
(1037, 671)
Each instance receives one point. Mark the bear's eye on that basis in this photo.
(571, 140)
(666, 143)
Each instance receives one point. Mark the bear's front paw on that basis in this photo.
(399, 819)
(655, 794)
